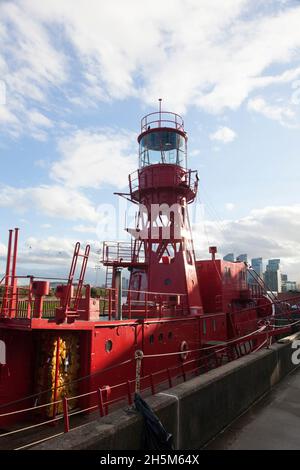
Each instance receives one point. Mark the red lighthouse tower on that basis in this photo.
(163, 187)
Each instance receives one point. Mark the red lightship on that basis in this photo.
(75, 353)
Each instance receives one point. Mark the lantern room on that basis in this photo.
(162, 139)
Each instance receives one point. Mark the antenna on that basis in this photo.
(159, 110)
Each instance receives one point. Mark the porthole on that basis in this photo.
(170, 335)
(151, 339)
(108, 345)
(160, 337)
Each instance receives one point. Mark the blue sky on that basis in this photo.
(74, 83)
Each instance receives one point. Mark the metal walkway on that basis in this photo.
(273, 423)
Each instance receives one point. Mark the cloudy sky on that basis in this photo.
(77, 76)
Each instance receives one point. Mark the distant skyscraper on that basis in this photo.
(257, 265)
(290, 286)
(243, 257)
(272, 275)
(273, 264)
(286, 285)
(229, 257)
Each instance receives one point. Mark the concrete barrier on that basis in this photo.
(194, 411)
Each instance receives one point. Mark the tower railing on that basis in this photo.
(122, 251)
(162, 119)
(189, 178)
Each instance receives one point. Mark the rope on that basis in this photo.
(285, 326)
(260, 346)
(31, 427)
(208, 347)
(34, 395)
(38, 442)
(110, 402)
(30, 409)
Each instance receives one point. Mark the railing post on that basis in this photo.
(29, 306)
(129, 393)
(66, 414)
(100, 402)
(17, 303)
(106, 394)
(12, 304)
(5, 299)
(138, 365)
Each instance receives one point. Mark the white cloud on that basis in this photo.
(3, 250)
(229, 206)
(271, 232)
(51, 256)
(223, 134)
(194, 153)
(211, 54)
(52, 201)
(91, 159)
(85, 228)
(30, 66)
(6, 116)
(37, 118)
(283, 114)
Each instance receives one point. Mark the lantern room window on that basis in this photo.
(162, 146)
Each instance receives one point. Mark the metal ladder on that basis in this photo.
(68, 309)
(108, 277)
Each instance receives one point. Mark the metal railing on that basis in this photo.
(137, 303)
(189, 179)
(206, 358)
(162, 119)
(122, 252)
(19, 301)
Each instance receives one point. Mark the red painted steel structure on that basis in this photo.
(179, 311)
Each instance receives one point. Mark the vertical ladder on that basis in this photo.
(108, 277)
(108, 285)
(67, 301)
